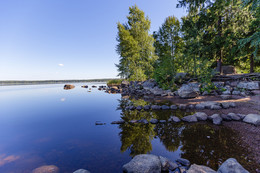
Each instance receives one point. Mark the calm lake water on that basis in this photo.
(46, 125)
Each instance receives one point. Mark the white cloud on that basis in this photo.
(61, 65)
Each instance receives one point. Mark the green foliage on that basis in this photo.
(135, 47)
(205, 80)
(168, 47)
(114, 82)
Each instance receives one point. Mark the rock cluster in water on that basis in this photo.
(148, 163)
(204, 105)
(200, 116)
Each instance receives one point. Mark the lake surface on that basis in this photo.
(46, 125)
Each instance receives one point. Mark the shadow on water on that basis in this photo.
(202, 143)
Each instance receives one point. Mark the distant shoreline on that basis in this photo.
(37, 82)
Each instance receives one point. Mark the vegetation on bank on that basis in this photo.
(114, 82)
(213, 34)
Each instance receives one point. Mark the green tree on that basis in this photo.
(219, 24)
(135, 47)
(168, 46)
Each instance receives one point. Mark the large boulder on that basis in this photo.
(249, 85)
(190, 90)
(200, 169)
(143, 163)
(68, 87)
(252, 119)
(231, 166)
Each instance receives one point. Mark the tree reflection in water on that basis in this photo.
(201, 143)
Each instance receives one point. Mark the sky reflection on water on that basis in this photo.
(46, 125)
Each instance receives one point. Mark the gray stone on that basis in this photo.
(183, 162)
(249, 85)
(236, 93)
(162, 121)
(226, 117)
(232, 104)
(146, 107)
(190, 90)
(190, 118)
(231, 166)
(216, 119)
(199, 106)
(143, 163)
(191, 107)
(153, 121)
(233, 116)
(242, 116)
(201, 116)
(200, 169)
(205, 93)
(155, 107)
(208, 104)
(252, 119)
(81, 171)
(225, 105)
(219, 84)
(174, 119)
(215, 107)
(180, 76)
(174, 107)
(125, 84)
(226, 97)
(139, 108)
(143, 121)
(165, 107)
(182, 106)
(149, 84)
(166, 164)
(118, 122)
(133, 121)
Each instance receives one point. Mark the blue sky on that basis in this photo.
(68, 39)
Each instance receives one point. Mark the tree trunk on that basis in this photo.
(219, 62)
(252, 63)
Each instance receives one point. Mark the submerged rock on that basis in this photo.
(153, 121)
(174, 107)
(174, 119)
(231, 166)
(165, 107)
(183, 162)
(155, 107)
(166, 164)
(233, 116)
(46, 169)
(146, 107)
(216, 119)
(81, 171)
(252, 119)
(200, 169)
(143, 163)
(118, 122)
(190, 118)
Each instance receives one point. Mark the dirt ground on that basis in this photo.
(249, 134)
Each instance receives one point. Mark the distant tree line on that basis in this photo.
(212, 34)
